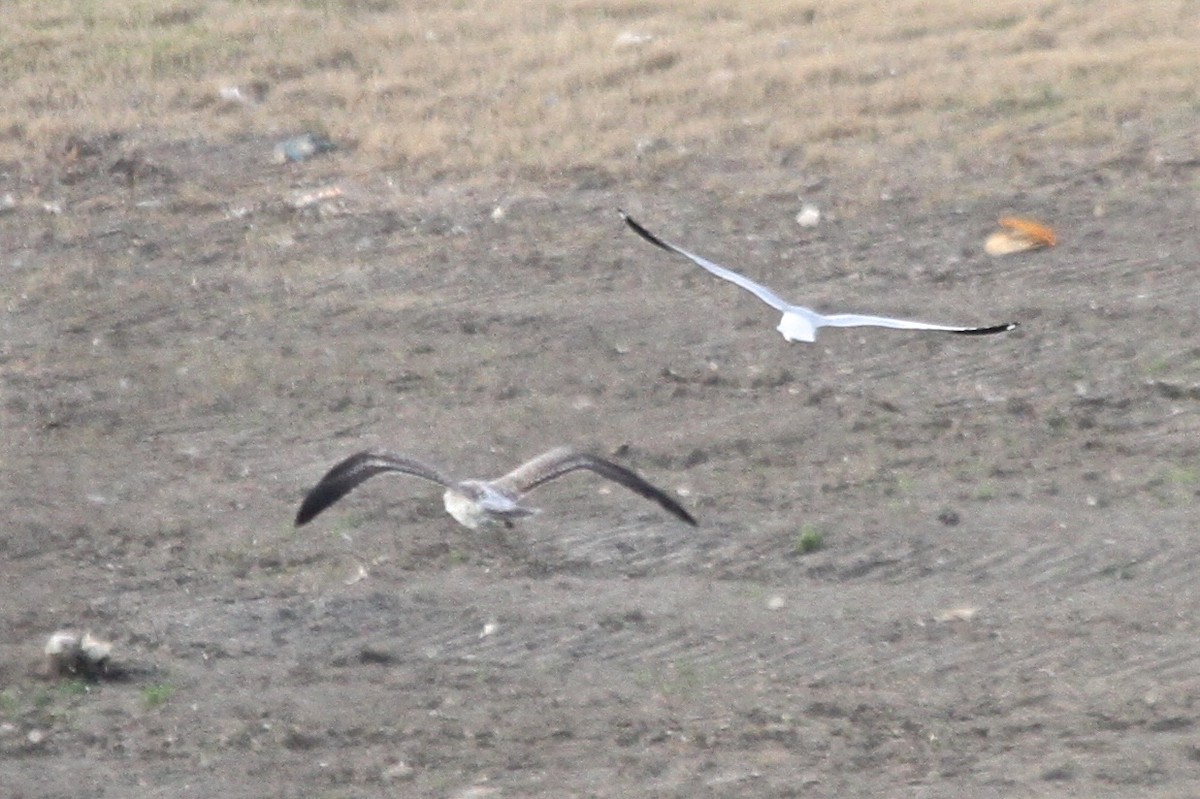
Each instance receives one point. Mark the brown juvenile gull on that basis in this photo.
(800, 323)
(478, 504)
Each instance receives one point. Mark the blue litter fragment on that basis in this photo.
(302, 147)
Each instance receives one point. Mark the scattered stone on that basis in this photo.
(359, 575)
(69, 654)
(134, 166)
(232, 94)
(949, 517)
(301, 740)
(399, 772)
(1176, 391)
(252, 94)
(78, 147)
(776, 602)
(652, 145)
(302, 147)
(376, 655)
(809, 216)
(632, 39)
(316, 196)
(476, 792)
(962, 613)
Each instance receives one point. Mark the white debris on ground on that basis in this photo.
(316, 196)
(70, 654)
(632, 39)
(809, 216)
(961, 613)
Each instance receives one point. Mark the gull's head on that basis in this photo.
(795, 327)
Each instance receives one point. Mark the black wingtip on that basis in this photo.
(675, 509)
(322, 495)
(645, 234)
(988, 331)
(332, 487)
(308, 510)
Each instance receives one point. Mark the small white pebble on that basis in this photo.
(809, 216)
(962, 613)
(776, 602)
(399, 771)
(632, 39)
(359, 575)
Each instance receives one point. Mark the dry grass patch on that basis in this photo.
(536, 89)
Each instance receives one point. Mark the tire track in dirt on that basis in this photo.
(630, 548)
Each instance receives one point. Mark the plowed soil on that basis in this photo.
(1001, 594)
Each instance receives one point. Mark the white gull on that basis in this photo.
(800, 323)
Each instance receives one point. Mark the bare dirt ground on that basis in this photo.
(171, 390)
(1004, 603)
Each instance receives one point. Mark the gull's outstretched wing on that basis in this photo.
(757, 289)
(859, 320)
(557, 462)
(347, 475)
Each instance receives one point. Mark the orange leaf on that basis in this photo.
(1036, 232)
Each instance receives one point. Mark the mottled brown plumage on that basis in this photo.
(479, 503)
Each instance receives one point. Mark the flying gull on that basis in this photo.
(800, 323)
(478, 504)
